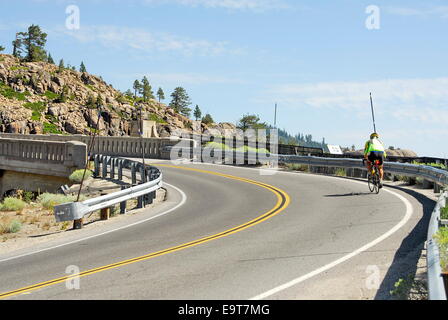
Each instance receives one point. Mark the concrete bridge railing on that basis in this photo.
(42, 157)
(110, 146)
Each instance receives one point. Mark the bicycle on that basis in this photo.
(373, 178)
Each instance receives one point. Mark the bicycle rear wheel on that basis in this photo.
(371, 182)
(377, 182)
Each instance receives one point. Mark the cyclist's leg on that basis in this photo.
(369, 163)
(381, 167)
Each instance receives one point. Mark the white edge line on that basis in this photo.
(409, 212)
(184, 199)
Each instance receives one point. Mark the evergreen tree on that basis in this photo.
(250, 121)
(129, 93)
(82, 68)
(197, 113)
(2, 48)
(207, 119)
(146, 89)
(160, 94)
(50, 59)
(180, 101)
(17, 47)
(137, 87)
(61, 64)
(63, 96)
(33, 43)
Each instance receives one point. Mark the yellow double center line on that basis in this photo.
(283, 201)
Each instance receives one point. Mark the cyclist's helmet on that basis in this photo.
(374, 135)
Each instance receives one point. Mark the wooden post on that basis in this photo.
(105, 214)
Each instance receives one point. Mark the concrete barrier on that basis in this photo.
(42, 157)
(110, 146)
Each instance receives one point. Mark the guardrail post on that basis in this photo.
(112, 168)
(96, 161)
(104, 167)
(123, 203)
(105, 214)
(120, 170)
(133, 174)
(78, 224)
(140, 202)
(142, 174)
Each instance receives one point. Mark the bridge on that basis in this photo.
(38, 166)
(229, 232)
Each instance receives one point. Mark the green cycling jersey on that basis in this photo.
(374, 145)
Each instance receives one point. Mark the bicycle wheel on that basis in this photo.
(377, 182)
(371, 182)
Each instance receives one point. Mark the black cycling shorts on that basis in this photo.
(376, 155)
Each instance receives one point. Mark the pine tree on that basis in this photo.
(17, 47)
(50, 59)
(250, 121)
(2, 48)
(160, 94)
(180, 101)
(207, 119)
(82, 68)
(33, 43)
(137, 87)
(146, 90)
(197, 113)
(61, 64)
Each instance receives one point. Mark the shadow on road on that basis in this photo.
(407, 256)
(348, 194)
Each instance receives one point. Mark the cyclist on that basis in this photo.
(374, 150)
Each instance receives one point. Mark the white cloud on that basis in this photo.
(424, 100)
(440, 11)
(252, 5)
(192, 78)
(115, 37)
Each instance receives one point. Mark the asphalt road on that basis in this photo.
(281, 236)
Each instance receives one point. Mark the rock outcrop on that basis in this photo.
(37, 97)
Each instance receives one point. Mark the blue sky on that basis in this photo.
(316, 59)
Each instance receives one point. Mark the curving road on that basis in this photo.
(235, 234)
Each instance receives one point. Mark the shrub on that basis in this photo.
(37, 108)
(12, 227)
(49, 200)
(15, 226)
(340, 172)
(297, 167)
(51, 95)
(444, 213)
(9, 93)
(442, 240)
(76, 176)
(12, 204)
(51, 128)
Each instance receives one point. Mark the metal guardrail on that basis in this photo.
(435, 175)
(436, 286)
(150, 181)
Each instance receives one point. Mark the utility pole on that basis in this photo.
(373, 113)
(141, 141)
(275, 117)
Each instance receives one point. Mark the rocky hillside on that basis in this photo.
(38, 97)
